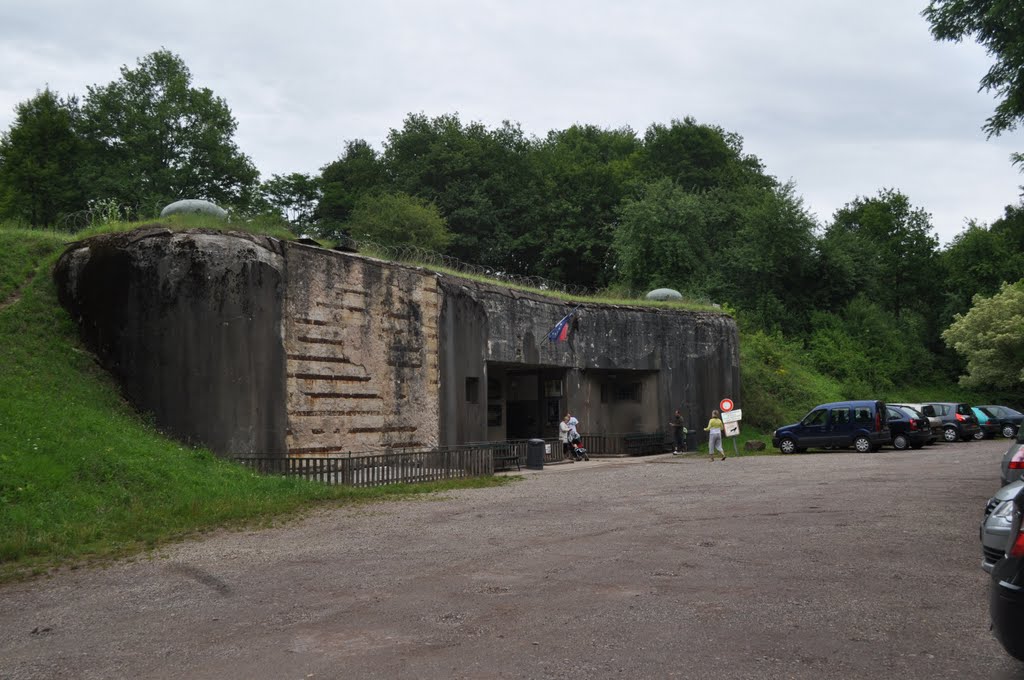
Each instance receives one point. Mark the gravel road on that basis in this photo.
(837, 565)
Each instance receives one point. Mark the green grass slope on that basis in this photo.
(82, 476)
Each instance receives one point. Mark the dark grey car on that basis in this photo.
(958, 420)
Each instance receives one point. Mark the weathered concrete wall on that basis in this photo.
(696, 354)
(362, 351)
(190, 325)
(249, 344)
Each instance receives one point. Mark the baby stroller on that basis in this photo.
(577, 449)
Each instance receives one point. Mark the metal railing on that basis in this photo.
(431, 465)
(377, 469)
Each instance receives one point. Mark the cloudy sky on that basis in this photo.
(843, 98)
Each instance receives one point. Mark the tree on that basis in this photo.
(584, 173)
(699, 157)
(991, 337)
(40, 158)
(154, 139)
(998, 26)
(662, 239)
(358, 171)
(294, 196)
(978, 260)
(768, 265)
(481, 181)
(398, 220)
(886, 235)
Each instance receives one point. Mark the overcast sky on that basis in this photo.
(844, 98)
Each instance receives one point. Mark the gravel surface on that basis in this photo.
(837, 565)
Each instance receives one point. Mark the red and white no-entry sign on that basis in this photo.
(725, 405)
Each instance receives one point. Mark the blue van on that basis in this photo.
(841, 424)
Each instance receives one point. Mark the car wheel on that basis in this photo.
(950, 435)
(1009, 431)
(900, 442)
(862, 444)
(979, 435)
(787, 446)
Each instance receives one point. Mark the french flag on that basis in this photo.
(561, 330)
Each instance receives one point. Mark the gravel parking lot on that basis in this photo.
(837, 565)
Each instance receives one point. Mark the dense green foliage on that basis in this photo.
(139, 143)
(991, 336)
(153, 138)
(40, 159)
(398, 220)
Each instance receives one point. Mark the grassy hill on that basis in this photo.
(82, 475)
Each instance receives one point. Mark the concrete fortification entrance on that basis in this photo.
(249, 344)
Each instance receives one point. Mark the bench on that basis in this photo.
(504, 456)
(639, 443)
(503, 452)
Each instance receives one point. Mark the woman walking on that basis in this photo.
(714, 430)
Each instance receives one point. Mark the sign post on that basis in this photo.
(731, 419)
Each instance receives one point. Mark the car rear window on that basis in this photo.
(964, 410)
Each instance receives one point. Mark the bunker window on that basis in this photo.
(629, 392)
(473, 390)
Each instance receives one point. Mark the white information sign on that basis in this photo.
(732, 416)
(732, 429)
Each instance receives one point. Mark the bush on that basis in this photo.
(779, 386)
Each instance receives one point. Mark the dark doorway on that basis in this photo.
(533, 400)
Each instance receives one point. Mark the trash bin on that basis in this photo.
(535, 454)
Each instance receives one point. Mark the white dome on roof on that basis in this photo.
(664, 294)
(194, 205)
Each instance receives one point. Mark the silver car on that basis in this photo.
(995, 528)
(1012, 466)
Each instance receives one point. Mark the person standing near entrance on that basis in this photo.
(678, 432)
(573, 432)
(714, 430)
(563, 434)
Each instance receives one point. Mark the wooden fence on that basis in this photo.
(377, 469)
(457, 462)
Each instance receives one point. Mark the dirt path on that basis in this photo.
(813, 566)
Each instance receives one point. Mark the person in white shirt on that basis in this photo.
(563, 434)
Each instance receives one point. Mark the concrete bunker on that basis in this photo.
(249, 344)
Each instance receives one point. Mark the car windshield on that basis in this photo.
(815, 417)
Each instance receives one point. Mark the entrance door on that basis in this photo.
(534, 403)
